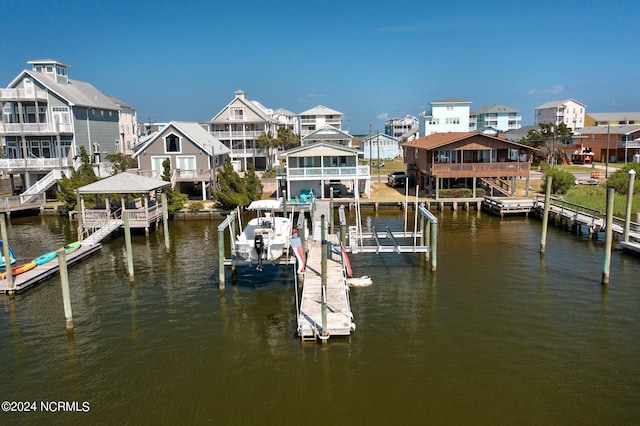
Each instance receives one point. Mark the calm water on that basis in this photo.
(498, 335)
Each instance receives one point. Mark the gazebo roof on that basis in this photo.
(124, 183)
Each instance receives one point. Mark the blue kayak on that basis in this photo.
(3, 265)
(47, 257)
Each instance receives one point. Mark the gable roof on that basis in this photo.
(554, 104)
(320, 110)
(380, 136)
(75, 92)
(437, 140)
(192, 131)
(624, 129)
(327, 132)
(255, 106)
(451, 101)
(124, 183)
(320, 149)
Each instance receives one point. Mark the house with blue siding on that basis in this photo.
(379, 147)
(47, 117)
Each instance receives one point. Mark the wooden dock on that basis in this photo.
(39, 273)
(501, 206)
(339, 317)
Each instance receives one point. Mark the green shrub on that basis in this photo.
(562, 181)
(619, 180)
(196, 205)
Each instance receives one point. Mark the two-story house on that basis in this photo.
(466, 160)
(47, 117)
(327, 133)
(379, 147)
(401, 127)
(611, 118)
(496, 116)
(128, 122)
(194, 155)
(447, 115)
(619, 143)
(319, 117)
(567, 111)
(314, 168)
(286, 119)
(239, 125)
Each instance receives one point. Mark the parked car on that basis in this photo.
(395, 179)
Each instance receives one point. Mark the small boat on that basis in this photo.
(363, 281)
(47, 257)
(71, 247)
(20, 269)
(3, 265)
(266, 236)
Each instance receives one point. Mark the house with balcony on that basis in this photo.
(495, 116)
(313, 169)
(194, 155)
(618, 143)
(447, 115)
(328, 134)
(379, 147)
(239, 125)
(128, 123)
(319, 117)
(46, 118)
(567, 111)
(401, 128)
(286, 119)
(466, 160)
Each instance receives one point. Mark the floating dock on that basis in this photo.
(41, 272)
(338, 310)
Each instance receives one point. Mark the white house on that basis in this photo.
(568, 111)
(318, 166)
(327, 133)
(401, 127)
(448, 115)
(379, 147)
(318, 117)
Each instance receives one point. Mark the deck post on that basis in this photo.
(221, 258)
(165, 221)
(608, 237)
(331, 228)
(5, 253)
(324, 248)
(627, 216)
(545, 215)
(422, 219)
(234, 272)
(127, 242)
(64, 283)
(80, 207)
(434, 246)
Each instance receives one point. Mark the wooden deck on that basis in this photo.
(507, 206)
(39, 273)
(339, 316)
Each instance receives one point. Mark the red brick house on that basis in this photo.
(466, 160)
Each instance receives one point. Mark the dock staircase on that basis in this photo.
(97, 233)
(498, 184)
(43, 184)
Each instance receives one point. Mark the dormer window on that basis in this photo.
(49, 68)
(172, 144)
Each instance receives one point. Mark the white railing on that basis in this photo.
(193, 175)
(21, 94)
(22, 202)
(45, 183)
(237, 134)
(33, 163)
(35, 128)
(328, 172)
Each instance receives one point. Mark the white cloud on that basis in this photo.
(383, 116)
(548, 91)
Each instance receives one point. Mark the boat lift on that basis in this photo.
(424, 238)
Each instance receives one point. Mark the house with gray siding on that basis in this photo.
(47, 117)
(194, 155)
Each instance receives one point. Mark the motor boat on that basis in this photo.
(265, 237)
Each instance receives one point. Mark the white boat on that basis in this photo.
(266, 237)
(363, 281)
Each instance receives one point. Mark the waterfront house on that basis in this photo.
(567, 111)
(466, 160)
(239, 125)
(329, 134)
(319, 117)
(317, 167)
(46, 118)
(379, 147)
(193, 152)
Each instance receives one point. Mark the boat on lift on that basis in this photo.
(266, 236)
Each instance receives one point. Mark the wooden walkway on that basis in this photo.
(339, 316)
(39, 273)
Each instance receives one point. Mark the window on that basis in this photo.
(172, 144)
(34, 149)
(237, 113)
(49, 68)
(42, 114)
(46, 149)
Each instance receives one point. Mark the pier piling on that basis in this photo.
(545, 215)
(608, 238)
(64, 283)
(127, 243)
(5, 253)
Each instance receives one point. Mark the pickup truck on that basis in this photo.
(395, 179)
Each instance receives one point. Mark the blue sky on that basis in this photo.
(369, 60)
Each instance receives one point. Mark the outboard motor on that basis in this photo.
(258, 245)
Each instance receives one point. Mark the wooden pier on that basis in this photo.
(338, 309)
(41, 272)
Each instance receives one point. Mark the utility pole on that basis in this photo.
(606, 169)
